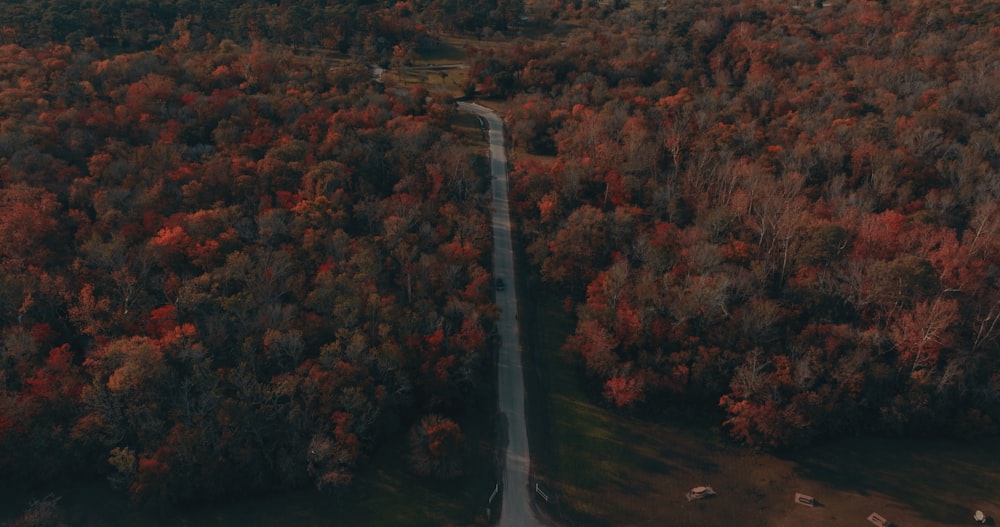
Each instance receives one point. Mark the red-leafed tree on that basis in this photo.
(437, 447)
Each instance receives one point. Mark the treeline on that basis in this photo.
(787, 211)
(364, 28)
(227, 269)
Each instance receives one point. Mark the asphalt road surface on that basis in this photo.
(516, 510)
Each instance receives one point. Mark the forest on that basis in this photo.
(229, 268)
(230, 263)
(790, 212)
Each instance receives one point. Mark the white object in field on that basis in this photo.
(698, 493)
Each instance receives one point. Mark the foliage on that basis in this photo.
(227, 268)
(436, 445)
(785, 211)
(43, 512)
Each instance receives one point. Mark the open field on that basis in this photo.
(440, 68)
(606, 469)
(449, 78)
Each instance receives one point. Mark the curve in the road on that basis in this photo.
(516, 510)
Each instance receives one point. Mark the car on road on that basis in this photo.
(499, 283)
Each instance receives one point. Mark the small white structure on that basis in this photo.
(879, 520)
(979, 517)
(700, 493)
(804, 499)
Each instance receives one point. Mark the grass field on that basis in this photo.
(451, 79)
(606, 469)
(440, 68)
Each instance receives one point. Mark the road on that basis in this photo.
(516, 510)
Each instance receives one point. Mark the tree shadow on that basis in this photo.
(939, 479)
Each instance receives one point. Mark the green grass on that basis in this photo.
(449, 51)
(940, 480)
(451, 81)
(605, 468)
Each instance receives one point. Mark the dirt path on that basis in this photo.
(516, 510)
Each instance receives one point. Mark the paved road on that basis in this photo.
(516, 508)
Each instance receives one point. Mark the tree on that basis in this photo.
(921, 334)
(28, 219)
(578, 248)
(437, 447)
(44, 512)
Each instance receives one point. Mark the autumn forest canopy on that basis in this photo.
(789, 211)
(227, 267)
(231, 262)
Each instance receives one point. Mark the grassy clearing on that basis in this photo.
(438, 68)
(607, 469)
(451, 80)
(449, 49)
(442, 67)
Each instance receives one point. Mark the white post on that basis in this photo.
(540, 493)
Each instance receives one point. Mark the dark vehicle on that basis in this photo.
(499, 284)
